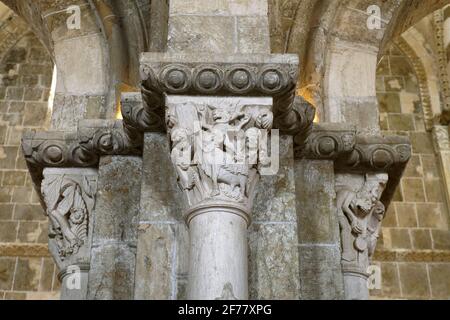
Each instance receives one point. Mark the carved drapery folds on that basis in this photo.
(360, 213)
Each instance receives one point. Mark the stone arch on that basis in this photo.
(99, 60)
(337, 49)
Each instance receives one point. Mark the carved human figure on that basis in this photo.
(360, 214)
(187, 172)
(209, 149)
(68, 205)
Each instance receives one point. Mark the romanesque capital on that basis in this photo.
(360, 213)
(69, 198)
(219, 148)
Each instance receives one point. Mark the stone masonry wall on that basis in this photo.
(26, 269)
(414, 246)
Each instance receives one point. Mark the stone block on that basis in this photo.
(406, 215)
(362, 112)
(434, 190)
(219, 7)
(16, 106)
(401, 122)
(117, 205)
(111, 276)
(6, 211)
(400, 239)
(389, 102)
(161, 199)
(214, 34)
(422, 142)
(440, 280)
(430, 166)
(35, 114)
(273, 265)
(14, 93)
(275, 195)
(394, 84)
(421, 239)
(29, 212)
(316, 210)
(33, 94)
(414, 280)
(441, 239)
(14, 178)
(6, 194)
(429, 215)
(29, 231)
(22, 194)
(253, 35)
(7, 267)
(390, 218)
(15, 296)
(8, 231)
(89, 52)
(320, 272)
(414, 168)
(8, 156)
(155, 263)
(413, 190)
(28, 273)
(390, 282)
(46, 279)
(67, 111)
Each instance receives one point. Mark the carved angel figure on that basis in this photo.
(69, 203)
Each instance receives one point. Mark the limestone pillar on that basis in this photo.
(69, 197)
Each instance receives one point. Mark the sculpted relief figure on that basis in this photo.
(360, 213)
(69, 203)
(217, 151)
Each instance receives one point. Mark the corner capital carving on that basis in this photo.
(360, 213)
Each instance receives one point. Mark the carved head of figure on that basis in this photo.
(179, 137)
(220, 115)
(264, 120)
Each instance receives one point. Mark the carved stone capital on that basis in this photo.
(360, 213)
(69, 196)
(219, 146)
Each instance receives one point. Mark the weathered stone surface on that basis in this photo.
(156, 262)
(253, 35)
(319, 244)
(414, 280)
(29, 270)
(273, 264)
(7, 266)
(202, 34)
(114, 236)
(219, 7)
(440, 280)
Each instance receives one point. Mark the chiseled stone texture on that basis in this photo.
(161, 265)
(318, 231)
(114, 238)
(273, 265)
